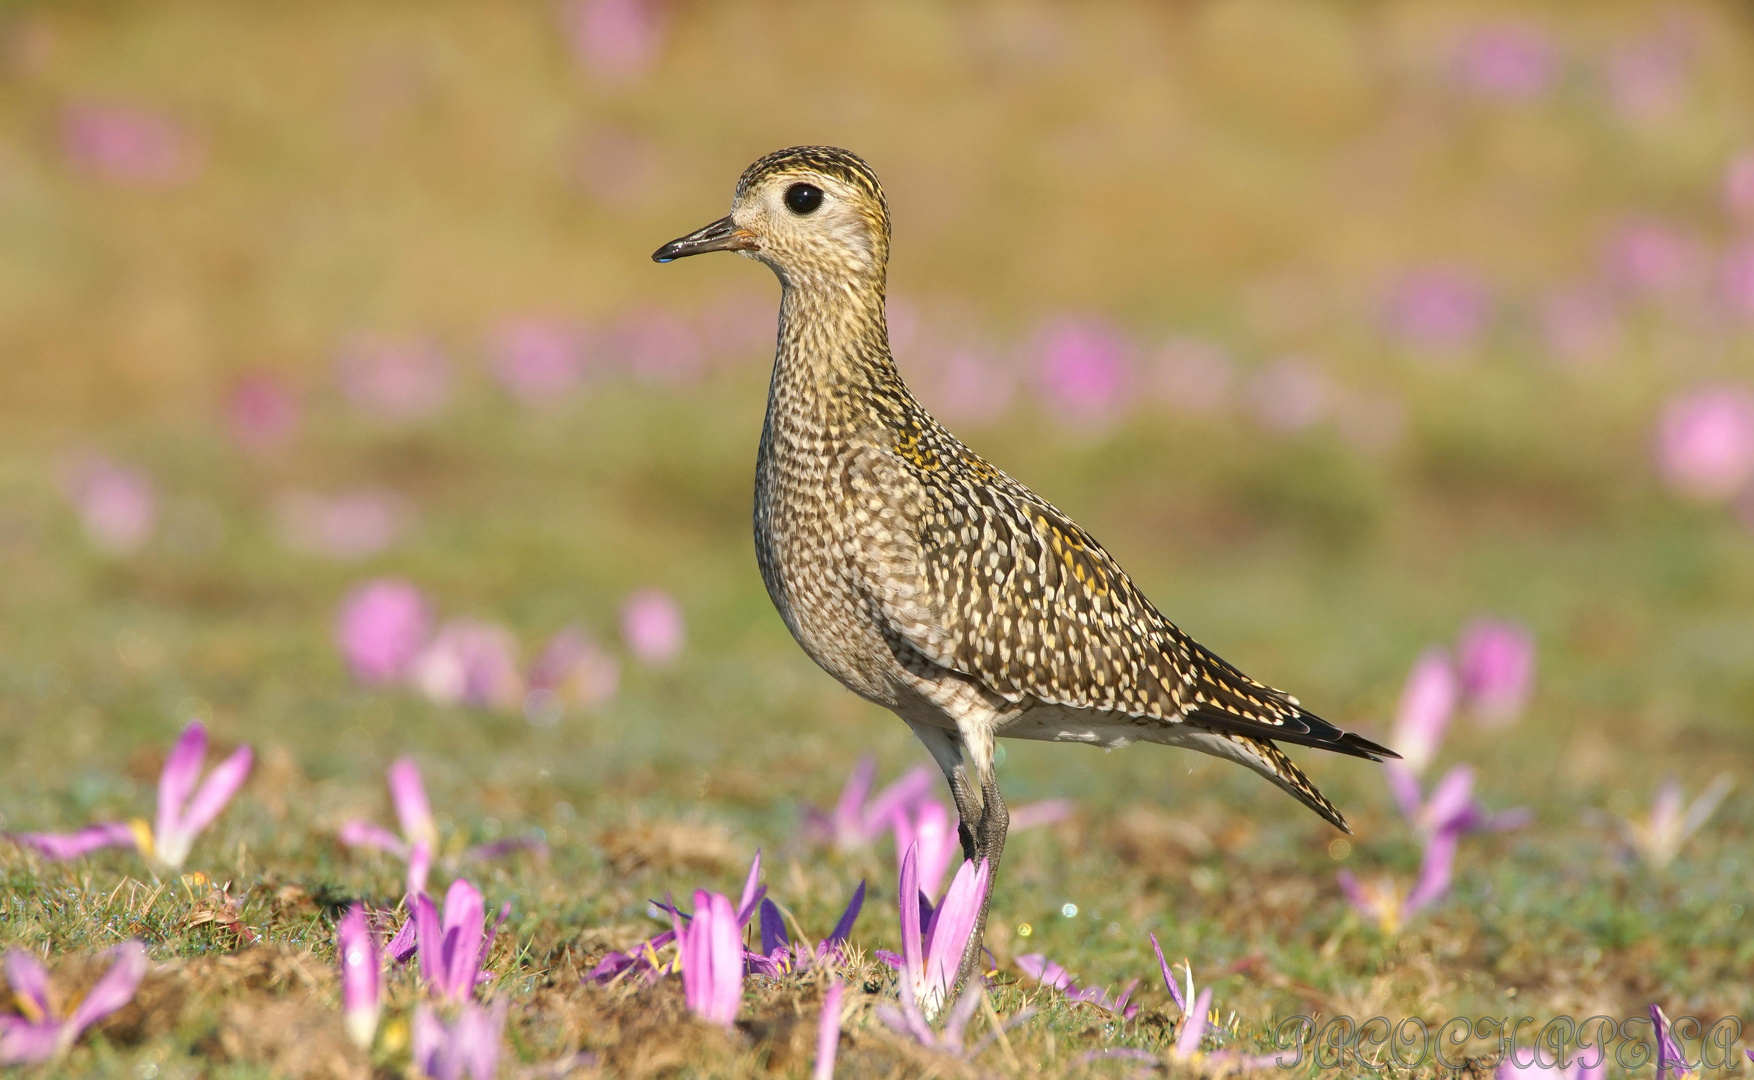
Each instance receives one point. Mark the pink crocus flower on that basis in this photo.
(855, 822)
(361, 976)
(473, 663)
(616, 40)
(1671, 1059)
(1428, 702)
(116, 503)
(1051, 975)
(349, 526)
(261, 412)
(184, 809)
(1085, 370)
(828, 1031)
(1705, 441)
(538, 361)
(1290, 395)
(452, 945)
(382, 627)
(467, 1047)
(1451, 807)
(419, 843)
(40, 1033)
(1034, 815)
(128, 145)
(1186, 1049)
(1496, 661)
(778, 955)
(928, 828)
(1382, 900)
(644, 956)
(1650, 258)
(397, 380)
(711, 950)
(1183, 998)
(1438, 309)
(931, 953)
(1507, 61)
(1739, 187)
(1672, 821)
(572, 671)
(652, 626)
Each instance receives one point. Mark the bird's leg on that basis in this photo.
(987, 838)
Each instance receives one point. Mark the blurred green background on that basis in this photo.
(1367, 318)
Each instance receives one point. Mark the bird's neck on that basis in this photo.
(833, 362)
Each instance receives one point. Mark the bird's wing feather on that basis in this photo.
(990, 580)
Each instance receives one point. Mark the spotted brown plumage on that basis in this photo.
(929, 581)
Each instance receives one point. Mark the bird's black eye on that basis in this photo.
(803, 198)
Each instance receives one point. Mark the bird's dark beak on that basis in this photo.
(721, 235)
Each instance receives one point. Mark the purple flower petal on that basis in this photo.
(1671, 1059)
(929, 829)
(72, 845)
(1175, 991)
(361, 976)
(773, 929)
(843, 928)
(1434, 874)
(952, 925)
(1044, 971)
(499, 849)
(1187, 1040)
(382, 627)
(751, 894)
(364, 834)
(113, 991)
(408, 796)
(1428, 701)
(1036, 814)
(182, 767)
(22, 1042)
(465, 917)
(652, 625)
(908, 789)
(216, 791)
(1496, 662)
(29, 983)
(828, 1032)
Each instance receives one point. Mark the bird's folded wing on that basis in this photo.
(992, 581)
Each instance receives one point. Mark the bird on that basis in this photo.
(928, 581)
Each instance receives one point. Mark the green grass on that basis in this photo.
(1148, 165)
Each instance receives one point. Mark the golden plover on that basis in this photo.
(925, 579)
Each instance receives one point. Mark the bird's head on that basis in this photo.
(815, 214)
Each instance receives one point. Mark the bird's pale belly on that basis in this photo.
(816, 590)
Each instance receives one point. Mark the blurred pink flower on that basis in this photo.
(1194, 376)
(927, 828)
(1657, 838)
(1428, 702)
(1652, 258)
(538, 361)
(261, 412)
(1438, 309)
(658, 346)
(652, 626)
(617, 40)
(126, 144)
(1739, 187)
(1085, 370)
(470, 662)
(394, 379)
(44, 1032)
(350, 526)
(1496, 660)
(1648, 79)
(1705, 441)
(115, 502)
(362, 975)
(572, 672)
(381, 629)
(466, 1048)
(1290, 395)
(858, 818)
(1736, 279)
(1509, 61)
(1579, 323)
(970, 388)
(711, 952)
(1381, 899)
